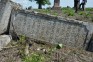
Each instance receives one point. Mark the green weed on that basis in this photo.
(82, 13)
(35, 57)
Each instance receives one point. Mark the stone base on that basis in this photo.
(56, 8)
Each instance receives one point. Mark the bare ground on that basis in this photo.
(65, 54)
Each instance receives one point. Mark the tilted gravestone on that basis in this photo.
(5, 11)
(50, 29)
(45, 28)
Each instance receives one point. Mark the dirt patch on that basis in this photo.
(9, 55)
(49, 52)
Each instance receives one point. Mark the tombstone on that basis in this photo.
(56, 5)
(5, 11)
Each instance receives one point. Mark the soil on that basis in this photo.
(9, 55)
(65, 54)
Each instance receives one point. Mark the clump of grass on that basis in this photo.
(82, 13)
(65, 8)
(89, 9)
(87, 15)
(35, 57)
(70, 14)
(22, 52)
(45, 11)
(55, 14)
(68, 11)
(21, 44)
(22, 39)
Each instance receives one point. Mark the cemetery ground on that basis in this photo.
(86, 15)
(46, 52)
(43, 52)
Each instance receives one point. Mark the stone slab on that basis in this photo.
(5, 11)
(51, 29)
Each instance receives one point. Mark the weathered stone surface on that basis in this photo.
(4, 40)
(50, 29)
(5, 11)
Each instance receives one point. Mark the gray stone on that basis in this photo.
(4, 40)
(5, 11)
(47, 28)
(56, 30)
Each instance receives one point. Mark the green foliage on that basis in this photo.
(21, 44)
(82, 13)
(68, 11)
(89, 9)
(87, 15)
(22, 52)
(35, 57)
(70, 14)
(22, 39)
(55, 14)
(41, 2)
(64, 8)
(44, 11)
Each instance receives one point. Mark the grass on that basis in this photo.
(39, 56)
(89, 9)
(86, 15)
(35, 57)
(68, 11)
